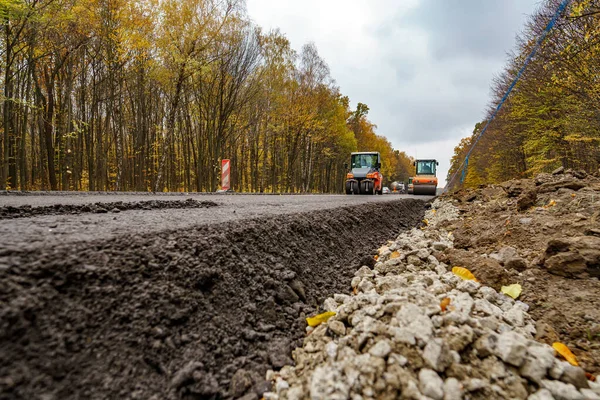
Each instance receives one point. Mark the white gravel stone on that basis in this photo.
(470, 287)
(366, 285)
(515, 316)
(589, 394)
(511, 348)
(430, 384)
(336, 327)
(364, 271)
(437, 355)
(439, 246)
(381, 349)
(453, 389)
(539, 359)
(542, 394)
(562, 391)
(487, 308)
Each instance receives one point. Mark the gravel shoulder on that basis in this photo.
(418, 325)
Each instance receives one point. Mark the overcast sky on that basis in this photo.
(423, 67)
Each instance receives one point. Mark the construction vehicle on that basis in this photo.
(410, 186)
(365, 174)
(397, 187)
(425, 180)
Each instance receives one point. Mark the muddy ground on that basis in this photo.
(544, 234)
(175, 314)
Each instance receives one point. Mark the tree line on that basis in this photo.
(552, 117)
(150, 95)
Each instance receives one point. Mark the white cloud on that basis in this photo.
(422, 66)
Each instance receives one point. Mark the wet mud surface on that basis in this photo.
(195, 313)
(26, 211)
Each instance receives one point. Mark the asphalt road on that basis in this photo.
(48, 230)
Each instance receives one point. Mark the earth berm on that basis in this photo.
(198, 313)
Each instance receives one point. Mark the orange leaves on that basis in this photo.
(395, 254)
(444, 303)
(464, 273)
(564, 351)
(590, 377)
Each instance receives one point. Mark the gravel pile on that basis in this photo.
(414, 330)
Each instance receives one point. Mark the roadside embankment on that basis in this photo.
(417, 328)
(176, 314)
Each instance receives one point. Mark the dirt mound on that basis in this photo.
(9, 212)
(544, 234)
(194, 314)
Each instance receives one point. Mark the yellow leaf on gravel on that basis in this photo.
(444, 303)
(513, 291)
(319, 319)
(564, 351)
(464, 273)
(552, 203)
(395, 254)
(426, 222)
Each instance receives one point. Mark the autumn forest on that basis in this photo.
(150, 95)
(552, 118)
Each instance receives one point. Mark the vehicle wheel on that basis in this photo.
(354, 188)
(348, 187)
(365, 187)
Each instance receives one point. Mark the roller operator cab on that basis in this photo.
(425, 181)
(365, 174)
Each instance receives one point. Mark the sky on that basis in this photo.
(424, 67)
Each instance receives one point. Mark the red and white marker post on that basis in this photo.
(225, 172)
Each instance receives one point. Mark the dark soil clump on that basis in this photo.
(9, 212)
(193, 314)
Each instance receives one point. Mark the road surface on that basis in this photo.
(59, 228)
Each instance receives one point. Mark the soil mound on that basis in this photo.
(543, 233)
(194, 314)
(9, 212)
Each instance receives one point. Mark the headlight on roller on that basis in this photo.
(349, 175)
(372, 175)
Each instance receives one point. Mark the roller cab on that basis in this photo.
(365, 175)
(425, 181)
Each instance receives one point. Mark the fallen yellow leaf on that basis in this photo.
(464, 273)
(319, 319)
(426, 222)
(513, 291)
(552, 203)
(564, 351)
(395, 254)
